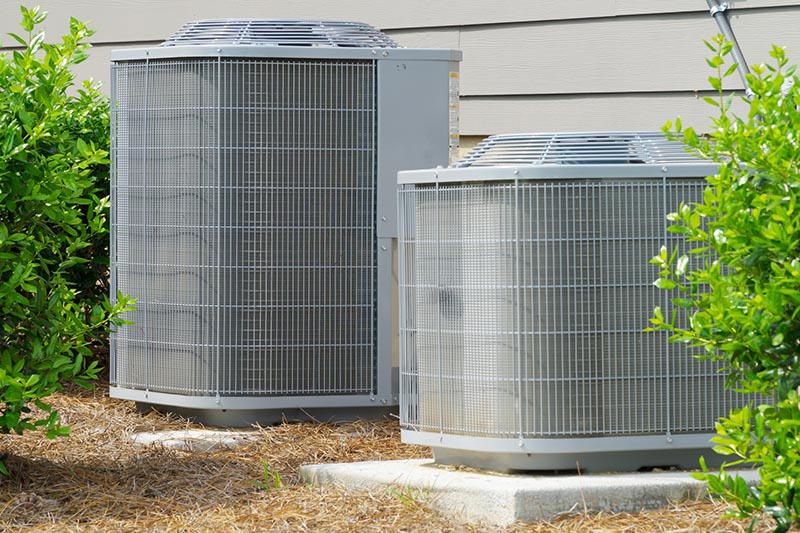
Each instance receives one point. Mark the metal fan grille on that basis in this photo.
(243, 201)
(523, 308)
(577, 148)
(280, 32)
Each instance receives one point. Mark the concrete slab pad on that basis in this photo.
(500, 499)
(198, 440)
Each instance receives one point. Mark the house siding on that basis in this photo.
(547, 65)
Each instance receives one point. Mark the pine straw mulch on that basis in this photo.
(97, 480)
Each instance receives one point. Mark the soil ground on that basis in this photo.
(98, 480)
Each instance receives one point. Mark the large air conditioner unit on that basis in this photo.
(525, 290)
(253, 201)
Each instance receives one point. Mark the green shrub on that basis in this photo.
(53, 224)
(740, 281)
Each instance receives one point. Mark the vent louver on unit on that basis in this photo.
(254, 213)
(525, 287)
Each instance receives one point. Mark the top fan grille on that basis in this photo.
(280, 32)
(577, 148)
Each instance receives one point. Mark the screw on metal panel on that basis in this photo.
(516, 172)
(383, 248)
(374, 52)
(372, 398)
(385, 54)
(521, 444)
(664, 169)
(383, 219)
(383, 401)
(219, 50)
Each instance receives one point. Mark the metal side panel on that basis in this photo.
(386, 326)
(413, 126)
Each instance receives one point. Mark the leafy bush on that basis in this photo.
(740, 282)
(53, 224)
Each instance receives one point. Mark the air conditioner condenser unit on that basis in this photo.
(253, 213)
(525, 290)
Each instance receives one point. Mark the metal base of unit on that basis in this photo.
(241, 418)
(595, 454)
(228, 411)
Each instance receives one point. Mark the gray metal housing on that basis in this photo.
(525, 287)
(254, 214)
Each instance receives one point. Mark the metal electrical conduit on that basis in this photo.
(718, 12)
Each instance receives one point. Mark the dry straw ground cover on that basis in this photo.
(98, 480)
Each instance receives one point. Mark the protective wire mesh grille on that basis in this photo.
(523, 309)
(577, 148)
(243, 201)
(280, 32)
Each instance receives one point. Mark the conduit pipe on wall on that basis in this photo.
(719, 13)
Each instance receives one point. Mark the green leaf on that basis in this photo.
(19, 39)
(681, 265)
(32, 380)
(665, 284)
(36, 42)
(689, 136)
(684, 303)
(732, 69)
(83, 148)
(723, 450)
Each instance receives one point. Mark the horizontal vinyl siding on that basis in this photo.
(633, 72)
(499, 114)
(544, 65)
(617, 55)
(143, 20)
(640, 7)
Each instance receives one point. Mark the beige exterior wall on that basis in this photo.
(544, 65)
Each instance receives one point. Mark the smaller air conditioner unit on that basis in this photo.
(525, 287)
